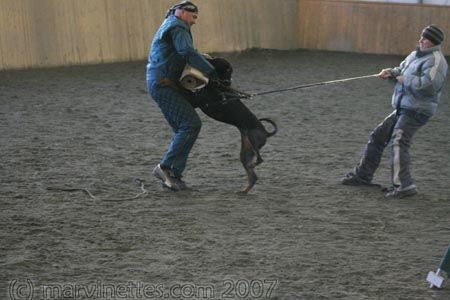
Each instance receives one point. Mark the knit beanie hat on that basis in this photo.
(434, 34)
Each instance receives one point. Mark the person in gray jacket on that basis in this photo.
(419, 81)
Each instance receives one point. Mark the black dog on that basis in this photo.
(220, 102)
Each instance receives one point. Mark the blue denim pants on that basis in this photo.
(184, 121)
(396, 131)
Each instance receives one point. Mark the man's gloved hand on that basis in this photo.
(388, 74)
(385, 73)
(207, 56)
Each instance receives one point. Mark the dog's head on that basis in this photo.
(223, 69)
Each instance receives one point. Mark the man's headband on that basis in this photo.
(185, 5)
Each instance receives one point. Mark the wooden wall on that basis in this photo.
(236, 25)
(40, 33)
(35, 33)
(48, 32)
(365, 27)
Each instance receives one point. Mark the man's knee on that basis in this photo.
(378, 137)
(197, 126)
(193, 127)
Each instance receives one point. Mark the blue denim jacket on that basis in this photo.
(171, 49)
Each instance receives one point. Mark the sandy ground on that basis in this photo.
(299, 234)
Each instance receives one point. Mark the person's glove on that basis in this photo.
(385, 74)
(207, 56)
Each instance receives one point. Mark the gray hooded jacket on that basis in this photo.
(424, 76)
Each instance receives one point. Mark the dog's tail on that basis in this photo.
(275, 128)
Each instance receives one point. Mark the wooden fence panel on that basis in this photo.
(36, 33)
(367, 27)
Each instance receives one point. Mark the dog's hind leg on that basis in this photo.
(259, 159)
(249, 159)
(252, 178)
(257, 139)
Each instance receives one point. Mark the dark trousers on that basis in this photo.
(396, 131)
(184, 121)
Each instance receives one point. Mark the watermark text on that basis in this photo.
(227, 289)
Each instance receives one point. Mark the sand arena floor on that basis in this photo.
(299, 234)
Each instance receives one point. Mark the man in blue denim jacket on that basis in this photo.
(172, 48)
(419, 81)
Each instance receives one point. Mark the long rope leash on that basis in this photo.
(86, 191)
(243, 95)
(238, 95)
